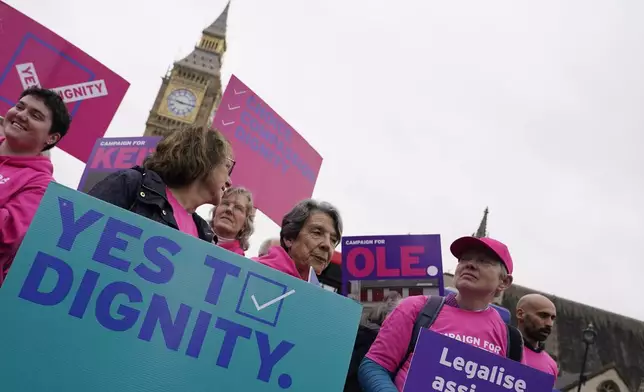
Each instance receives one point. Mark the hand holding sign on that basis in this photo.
(443, 364)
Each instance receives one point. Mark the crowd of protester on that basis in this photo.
(192, 166)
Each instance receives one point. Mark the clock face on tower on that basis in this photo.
(181, 102)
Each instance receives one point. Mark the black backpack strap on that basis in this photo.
(425, 319)
(515, 344)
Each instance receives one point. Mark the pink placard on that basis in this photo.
(273, 160)
(31, 54)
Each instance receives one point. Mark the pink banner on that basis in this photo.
(273, 160)
(32, 55)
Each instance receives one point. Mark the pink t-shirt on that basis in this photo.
(184, 218)
(484, 329)
(540, 361)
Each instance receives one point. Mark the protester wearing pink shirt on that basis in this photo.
(185, 221)
(535, 317)
(233, 220)
(33, 125)
(483, 272)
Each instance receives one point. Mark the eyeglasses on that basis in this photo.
(232, 165)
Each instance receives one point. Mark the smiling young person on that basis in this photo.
(310, 232)
(34, 124)
(190, 167)
(233, 220)
(483, 272)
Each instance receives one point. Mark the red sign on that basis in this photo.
(273, 161)
(32, 55)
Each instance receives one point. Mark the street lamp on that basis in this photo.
(589, 334)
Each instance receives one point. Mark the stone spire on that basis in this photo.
(218, 28)
(482, 230)
(207, 55)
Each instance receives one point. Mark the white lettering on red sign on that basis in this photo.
(28, 76)
(81, 91)
(71, 93)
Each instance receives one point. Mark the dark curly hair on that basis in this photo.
(187, 155)
(60, 117)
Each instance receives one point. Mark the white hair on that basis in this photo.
(266, 245)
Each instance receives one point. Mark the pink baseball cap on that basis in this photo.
(464, 244)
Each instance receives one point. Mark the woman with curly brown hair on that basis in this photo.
(233, 220)
(190, 167)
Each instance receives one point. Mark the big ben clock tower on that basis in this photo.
(191, 91)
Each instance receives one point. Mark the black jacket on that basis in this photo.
(365, 337)
(143, 192)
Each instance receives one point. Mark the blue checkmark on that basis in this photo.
(261, 299)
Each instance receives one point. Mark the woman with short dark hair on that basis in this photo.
(190, 167)
(310, 232)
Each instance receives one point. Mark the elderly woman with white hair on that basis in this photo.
(310, 232)
(233, 220)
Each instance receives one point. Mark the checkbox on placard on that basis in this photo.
(261, 299)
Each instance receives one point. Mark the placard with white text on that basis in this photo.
(444, 364)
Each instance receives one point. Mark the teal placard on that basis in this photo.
(99, 299)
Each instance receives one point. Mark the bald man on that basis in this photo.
(536, 315)
(266, 245)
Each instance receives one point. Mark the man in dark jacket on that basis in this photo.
(372, 319)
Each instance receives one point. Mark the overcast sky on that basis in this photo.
(425, 113)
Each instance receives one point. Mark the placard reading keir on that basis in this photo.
(138, 306)
(112, 154)
(444, 364)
